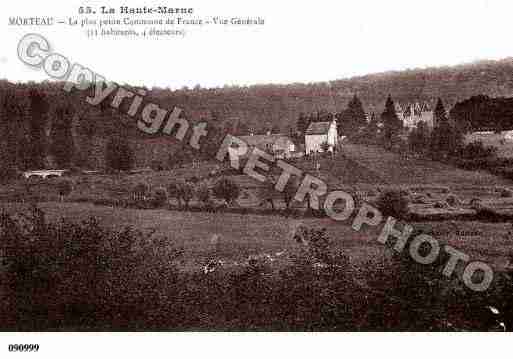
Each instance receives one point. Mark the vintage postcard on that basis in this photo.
(270, 166)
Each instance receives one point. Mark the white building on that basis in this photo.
(414, 113)
(279, 145)
(319, 133)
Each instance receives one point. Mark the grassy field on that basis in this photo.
(395, 169)
(235, 237)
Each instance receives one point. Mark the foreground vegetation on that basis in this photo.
(82, 275)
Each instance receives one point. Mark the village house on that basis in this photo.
(279, 145)
(320, 133)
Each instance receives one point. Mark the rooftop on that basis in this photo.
(318, 128)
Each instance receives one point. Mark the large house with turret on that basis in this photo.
(412, 114)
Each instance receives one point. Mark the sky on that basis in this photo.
(300, 42)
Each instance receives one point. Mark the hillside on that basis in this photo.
(267, 105)
(263, 106)
(255, 108)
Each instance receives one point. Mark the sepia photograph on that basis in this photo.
(242, 167)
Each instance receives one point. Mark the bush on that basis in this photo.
(506, 193)
(174, 191)
(159, 197)
(109, 202)
(226, 190)
(476, 150)
(186, 191)
(8, 174)
(64, 188)
(157, 165)
(90, 276)
(204, 194)
(193, 179)
(393, 203)
(440, 205)
(453, 200)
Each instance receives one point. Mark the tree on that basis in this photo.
(186, 192)
(391, 123)
(62, 146)
(227, 190)
(212, 141)
(87, 128)
(479, 113)
(370, 133)
(173, 191)
(267, 192)
(418, 138)
(445, 139)
(353, 118)
(204, 194)
(302, 125)
(24, 154)
(13, 113)
(118, 154)
(393, 203)
(290, 190)
(38, 113)
(439, 114)
(64, 188)
(159, 197)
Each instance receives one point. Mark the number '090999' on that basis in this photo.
(23, 347)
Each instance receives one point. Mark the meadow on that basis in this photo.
(252, 260)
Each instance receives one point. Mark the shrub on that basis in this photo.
(267, 193)
(8, 173)
(159, 197)
(90, 275)
(193, 179)
(173, 191)
(186, 191)
(476, 150)
(453, 200)
(440, 205)
(393, 203)
(109, 202)
(506, 193)
(157, 165)
(405, 192)
(64, 188)
(204, 194)
(226, 190)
